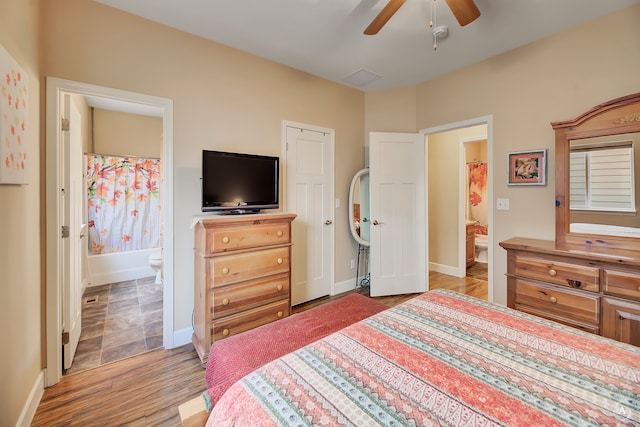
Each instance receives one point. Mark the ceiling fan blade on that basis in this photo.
(465, 11)
(384, 15)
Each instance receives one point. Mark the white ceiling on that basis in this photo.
(324, 37)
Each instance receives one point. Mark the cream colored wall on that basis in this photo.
(443, 174)
(476, 151)
(524, 90)
(21, 244)
(389, 111)
(222, 99)
(126, 134)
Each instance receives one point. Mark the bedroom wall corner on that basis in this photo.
(525, 90)
(21, 259)
(223, 99)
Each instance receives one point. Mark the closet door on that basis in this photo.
(398, 213)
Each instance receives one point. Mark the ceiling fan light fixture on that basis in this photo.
(439, 33)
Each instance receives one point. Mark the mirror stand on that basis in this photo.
(363, 254)
(359, 223)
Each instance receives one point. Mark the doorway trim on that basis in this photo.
(55, 88)
(488, 121)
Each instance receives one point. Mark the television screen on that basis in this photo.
(239, 183)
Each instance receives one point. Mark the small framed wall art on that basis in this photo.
(528, 167)
(14, 97)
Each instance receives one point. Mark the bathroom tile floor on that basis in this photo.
(119, 320)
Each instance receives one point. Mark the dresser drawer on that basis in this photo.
(234, 238)
(621, 283)
(240, 322)
(242, 296)
(557, 303)
(247, 266)
(570, 275)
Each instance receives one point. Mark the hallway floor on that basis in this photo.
(478, 270)
(119, 320)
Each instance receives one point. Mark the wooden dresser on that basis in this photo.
(242, 275)
(592, 289)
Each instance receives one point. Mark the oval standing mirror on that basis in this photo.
(359, 221)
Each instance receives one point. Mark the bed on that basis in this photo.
(443, 358)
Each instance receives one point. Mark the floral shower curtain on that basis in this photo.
(123, 203)
(478, 209)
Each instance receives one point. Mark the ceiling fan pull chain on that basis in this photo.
(432, 23)
(432, 9)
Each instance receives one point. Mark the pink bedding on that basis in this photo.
(232, 358)
(443, 359)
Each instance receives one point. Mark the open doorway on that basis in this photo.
(57, 90)
(448, 196)
(121, 305)
(476, 205)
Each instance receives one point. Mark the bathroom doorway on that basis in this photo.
(476, 207)
(122, 301)
(448, 196)
(55, 300)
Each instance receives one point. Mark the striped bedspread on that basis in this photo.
(443, 358)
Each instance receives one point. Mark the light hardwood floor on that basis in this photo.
(145, 390)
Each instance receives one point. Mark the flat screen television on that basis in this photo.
(237, 183)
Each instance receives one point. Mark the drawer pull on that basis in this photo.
(574, 283)
(225, 301)
(225, 333)
(225, 270)
(280, 314)
(280, 260)
(279, 287)
(553, 300)
(225, 239)
(552, 273)
(279, 233)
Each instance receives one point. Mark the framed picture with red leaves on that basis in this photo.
(528, 167)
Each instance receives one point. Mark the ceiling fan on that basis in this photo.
(465, 12)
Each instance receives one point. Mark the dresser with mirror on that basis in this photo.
(589, 277)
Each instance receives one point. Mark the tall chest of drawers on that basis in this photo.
(242, 275)
(593, 290)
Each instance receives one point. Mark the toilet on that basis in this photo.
(482, 246)
(155, 262)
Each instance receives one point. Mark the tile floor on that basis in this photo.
(119, 320)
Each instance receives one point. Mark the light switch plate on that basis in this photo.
(502, 204)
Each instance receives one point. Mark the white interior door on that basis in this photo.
(309, 179)
(398, 248)
(72, 206)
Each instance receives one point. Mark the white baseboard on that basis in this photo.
(445, 269)
(31, 405)
(182, 337)
(120, 276)
(344, 286)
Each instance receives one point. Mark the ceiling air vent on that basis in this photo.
(361, 77)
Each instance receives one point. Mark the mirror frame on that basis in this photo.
(618, 116)
(354, 233)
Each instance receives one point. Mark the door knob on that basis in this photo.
(365, 219)
(328, 222)
(376, 222)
